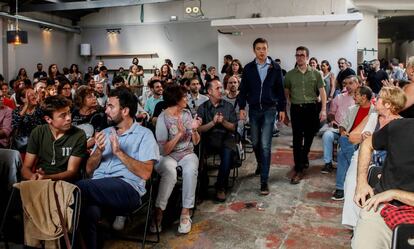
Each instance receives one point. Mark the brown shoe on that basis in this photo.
(297, 177)
(221, 196)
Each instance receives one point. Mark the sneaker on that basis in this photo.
(327, 168)
(264, 189)
(338, 195)
(221, 196)
(185, 224)
(119, 223)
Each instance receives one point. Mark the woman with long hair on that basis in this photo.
(22, 74)
(74, 73)
(53, 71)
(25, 118)
(328, 78)
(235, 69)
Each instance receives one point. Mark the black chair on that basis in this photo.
(148, 205)
(14, 201)
(403, 237)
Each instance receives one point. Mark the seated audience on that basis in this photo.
(338, 108)
(40, 90)
(218, 128)
(157, 90)
(25, 118)
(408, 111)
(56, 149)
(194, 98)
(121, 162)
(385, 206)
(51, 90)
(39, 73)
(65, 89)
(101, 97)
(394, 97)
(88, 115)
(211, 74)
(176, 133)
(7, 101)
(352, 119)
(5, 123)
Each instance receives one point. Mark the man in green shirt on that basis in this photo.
(302, 85)
(55, 149)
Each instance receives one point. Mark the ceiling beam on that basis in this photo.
(83, 5)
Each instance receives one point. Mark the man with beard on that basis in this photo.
(157, 90)
(121, 161)
(57, 147)
(194, 98)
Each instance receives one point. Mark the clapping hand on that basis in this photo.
(114, 142)
(196, 122)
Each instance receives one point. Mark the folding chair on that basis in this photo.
(403, 237)
(148, 203)
(14, 198)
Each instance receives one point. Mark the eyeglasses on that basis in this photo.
(300, 55)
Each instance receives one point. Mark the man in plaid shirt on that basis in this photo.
(391, 201)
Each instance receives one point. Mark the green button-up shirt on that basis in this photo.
(303, 87)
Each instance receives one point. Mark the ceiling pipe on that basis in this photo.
(32, 20)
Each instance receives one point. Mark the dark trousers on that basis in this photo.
(226, 162)
(305, 123)
(113, 194)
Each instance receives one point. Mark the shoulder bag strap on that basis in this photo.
(62, 220)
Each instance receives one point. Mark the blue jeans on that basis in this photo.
(113, 194)
(328, 138)
(261, 123)
(346, 150)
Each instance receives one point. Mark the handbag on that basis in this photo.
(20, 142)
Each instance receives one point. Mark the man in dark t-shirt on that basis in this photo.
(376, 76)
(344, 71)
(55, 149)
(396, 185)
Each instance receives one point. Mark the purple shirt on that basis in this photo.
(339, 106)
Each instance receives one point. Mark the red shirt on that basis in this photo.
(9, 103)
(362, 113)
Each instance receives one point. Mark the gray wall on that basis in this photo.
(186, 42)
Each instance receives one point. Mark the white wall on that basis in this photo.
(161, 12)
(186, 42)
(323, 43)
(46, 47)
(367, 33)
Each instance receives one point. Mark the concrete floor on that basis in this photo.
(291, 216)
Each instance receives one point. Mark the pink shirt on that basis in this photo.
(5, 125)
(340, 104)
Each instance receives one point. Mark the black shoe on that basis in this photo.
(306, 162)
(264, 189)
(258, 170)
(327, 168)
(338, 195)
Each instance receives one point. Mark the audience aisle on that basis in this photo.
(291, 216)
